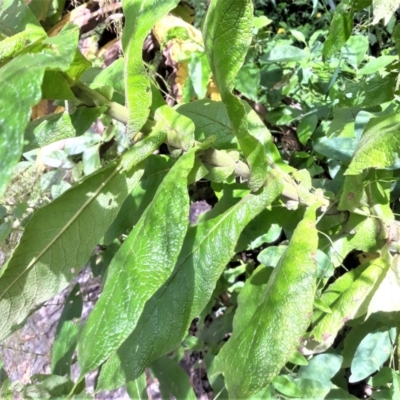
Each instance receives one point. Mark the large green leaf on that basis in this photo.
(227, 36)
(140, 17)
(272, 335)
(60, 237)
(143, 263)
(207, 249)
(379, 146)
(384, 9)
(21, 81)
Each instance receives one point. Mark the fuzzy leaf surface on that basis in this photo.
(227, 37)
(379, 146)
(60, 237)
(271, 338)
(143, 263)
(140, 17)
(21, 81)
(207, 249)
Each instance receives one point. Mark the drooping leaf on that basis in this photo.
(378, 147)
(140, 267)
(21, 81)
(141, 16)
(60, 237)
(168, 314)
(234, 33)
(271, 338)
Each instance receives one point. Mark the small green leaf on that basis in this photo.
(138, 388)
(284, 53)
(320, 305)
(339, 30)
(350, 303)
(321, 368)
(271, 255)
(376, 65)
(66, 333)
(298, 359)
(247, 81)
(174, 381)
(355, 49)
(372, 352)
(378, 147)
(269, 339)
(140, 17)
(286, 386)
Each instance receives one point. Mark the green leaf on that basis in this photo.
(321, 368)
(372, 352)
(155, 169)
(355, 49)
(179, 129)
(378, 147)
(16, 16)
(376, 65)
(141, 266)
(270, 338)
(234, 33)
(247, 81)
(66, 333)
(21, 81)
(350, 303)
(306, 128)
(140, 17)
(168, 314)
(336, 148)
(353, 339)
(138, 388)
(174, 381)
(286, 386)
(60, 237)
(395, 389)
(284, 53)
(271, 255)
(386, 297)
(48, 129)
(298, 359)
(339, 30)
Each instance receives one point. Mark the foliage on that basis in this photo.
(288, 286)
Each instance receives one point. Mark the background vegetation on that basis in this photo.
(224, 174)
